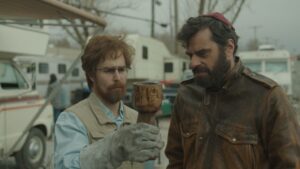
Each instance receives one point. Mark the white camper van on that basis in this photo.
(148, 61)
(19, 102)
(275, 64)
(175, 68)
(40, 68)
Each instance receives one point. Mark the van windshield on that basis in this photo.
(10, 78)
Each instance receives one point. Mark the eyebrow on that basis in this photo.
(108, 67)
(200, 52)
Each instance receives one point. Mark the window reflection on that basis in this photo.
(10, 78)
(254, 66)
(276, 66)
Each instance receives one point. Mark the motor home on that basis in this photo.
(175, 68)
(19, 101)
(275, 64)
(56, 61)
(148, 61)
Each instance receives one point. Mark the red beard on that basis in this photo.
(117, 85)
(115, 93)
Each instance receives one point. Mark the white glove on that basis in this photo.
(138, 142)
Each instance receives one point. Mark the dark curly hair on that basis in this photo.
(220, 31)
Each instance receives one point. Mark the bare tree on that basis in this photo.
(201, 6)
(225, 6)
(80, 30)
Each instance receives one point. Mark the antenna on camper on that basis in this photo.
(255, 28)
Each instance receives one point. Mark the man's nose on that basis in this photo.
(195, 60)
(117, 75)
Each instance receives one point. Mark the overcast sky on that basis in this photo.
(277, 21)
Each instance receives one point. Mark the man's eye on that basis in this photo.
(109, 70)
(121, 69)
(202, 55)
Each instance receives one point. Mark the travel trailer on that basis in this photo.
(175, 68)
(19, 101)
(57, 61)
(275, 64)
(148, 61)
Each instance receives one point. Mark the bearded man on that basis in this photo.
(228, 117)
(100, 131)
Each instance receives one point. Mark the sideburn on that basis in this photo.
(90, 78)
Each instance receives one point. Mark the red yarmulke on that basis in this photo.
(220, 17)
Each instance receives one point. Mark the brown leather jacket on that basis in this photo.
(248, 124)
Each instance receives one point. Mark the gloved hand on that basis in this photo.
(138, 142)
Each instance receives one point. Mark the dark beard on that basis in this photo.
(215, 77)
(114, 94)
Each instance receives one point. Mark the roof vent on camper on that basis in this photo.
(266, 47)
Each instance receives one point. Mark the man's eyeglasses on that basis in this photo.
(112, 70)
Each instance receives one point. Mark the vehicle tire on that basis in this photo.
(32, 154)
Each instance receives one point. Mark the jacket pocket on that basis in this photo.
(100, 132)
(193, 134)
(188, 129)
(237, 134)
(238, 142)
(95, 136)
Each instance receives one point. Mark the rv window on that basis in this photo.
(75, 72)
(276, 66)
(10, 78)
(168, 67)
(145, 52)
(31, 68)
(254, 66)
(43, 68)
(61, 68)
(28, 70)
(183, 66)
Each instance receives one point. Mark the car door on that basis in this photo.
(14, 104)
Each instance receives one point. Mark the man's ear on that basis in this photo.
(230, 47)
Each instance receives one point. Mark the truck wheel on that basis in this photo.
(32, 154)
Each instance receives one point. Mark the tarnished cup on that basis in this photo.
(147, 99)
